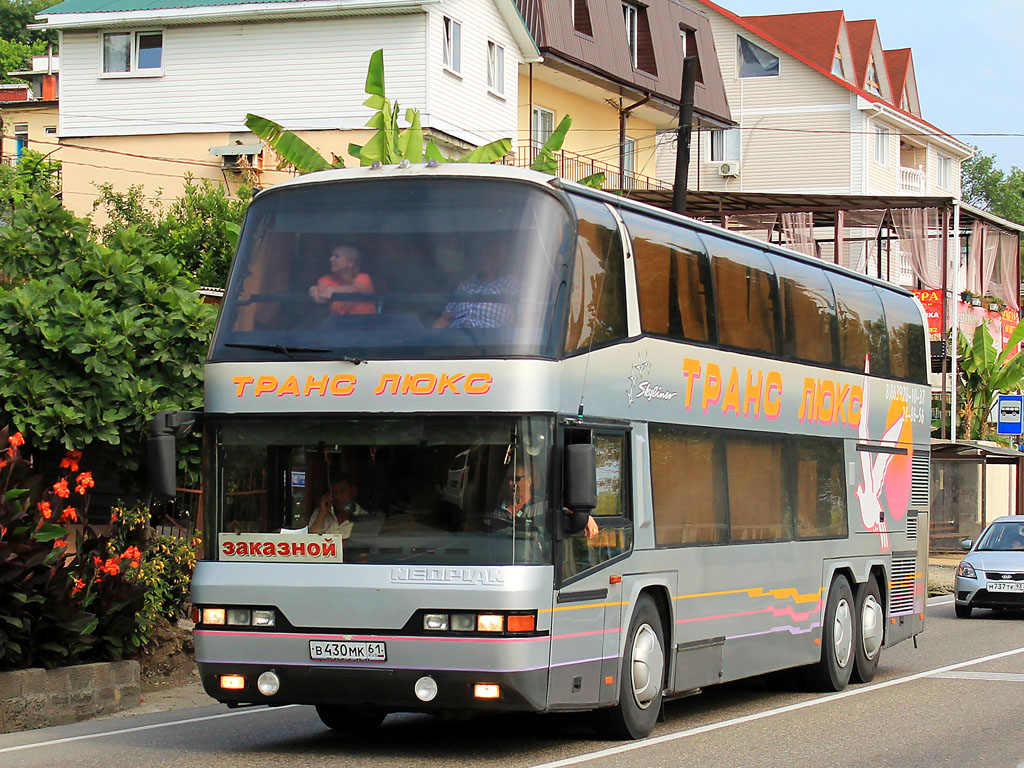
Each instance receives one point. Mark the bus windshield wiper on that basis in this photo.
(279, 348)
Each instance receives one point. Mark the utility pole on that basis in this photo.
(684, 133)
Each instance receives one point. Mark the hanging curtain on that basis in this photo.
(860, 240)
(923, 252)
(1004, 284)
(798, 230)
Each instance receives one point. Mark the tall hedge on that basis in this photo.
(95, 339)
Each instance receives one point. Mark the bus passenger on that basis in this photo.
(344, 277)
(488, 280)
(338, 511)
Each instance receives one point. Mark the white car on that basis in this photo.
(991, 575)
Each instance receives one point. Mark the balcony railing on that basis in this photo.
(574, 167)
(911, 181)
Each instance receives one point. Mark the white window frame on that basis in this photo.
(451, 48)
(871, 82)
(630, 16)
(629, 162)
(724, 145)
(538, 142)
(882, 134)
(944, 172)
(134, 70)
(495, 69)
(49, 130)
(837, 63)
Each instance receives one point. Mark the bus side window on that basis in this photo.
(820, 487)
(758, 500)
(907, 357)
(689, 506)
(861, 326)
(615, 536)
(746, 296)
(673, 279)
(809, 322)
(597, 298)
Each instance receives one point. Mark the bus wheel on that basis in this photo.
(641, 677)
(870, 632)
(832, 671)
(349, 719)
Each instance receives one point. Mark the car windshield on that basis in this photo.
(398, 268)
(1002, 537)
(451, 491)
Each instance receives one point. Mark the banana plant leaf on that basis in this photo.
(290, 147)
(545, 161)
(488, 153)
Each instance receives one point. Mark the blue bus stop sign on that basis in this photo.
(1009, 415)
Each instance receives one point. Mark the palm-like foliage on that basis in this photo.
(984, 373)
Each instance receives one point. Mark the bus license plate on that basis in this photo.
(329, 650)
(1006, 586)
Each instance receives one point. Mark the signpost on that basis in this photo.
(1008, 417)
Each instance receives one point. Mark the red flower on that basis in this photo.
(78, 587)
(132, 552)
(84, 481)
(16, 440)
(60, 543)
(44, 509)
(61, 488)
(113, 517)
(97, 561)
(71, 461)
(70, 515)
(111, 566)
(3, 463)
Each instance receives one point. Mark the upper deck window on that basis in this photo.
(746, 296)
(862, 332)
(397, 268)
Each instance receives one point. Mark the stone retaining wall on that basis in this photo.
(36, 698)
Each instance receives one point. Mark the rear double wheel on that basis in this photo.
(641, 678)
(833, 670)
(870, 632)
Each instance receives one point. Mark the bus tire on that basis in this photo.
(350, 719)
(869, 633)
(641, 677)
(832, 671)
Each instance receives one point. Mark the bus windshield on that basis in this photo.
(398, 268)
(451, 491)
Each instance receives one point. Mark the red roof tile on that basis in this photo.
(813, 34)
(897, 64)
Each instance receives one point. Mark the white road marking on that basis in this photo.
(943, 601)
(999, 677)
(669, 737)
(139, 728)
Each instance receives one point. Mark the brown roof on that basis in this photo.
(897, 64)
(604, 54)
(814, 34)
(862, 37)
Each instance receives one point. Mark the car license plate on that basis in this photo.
(1006, 586)
(330, 650)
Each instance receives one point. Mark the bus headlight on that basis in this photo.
(437, 622)
(214, 615)
(263, 618)
(239, 616)
(425, 688)
(268, 683)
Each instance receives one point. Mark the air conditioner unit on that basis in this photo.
(731, 168)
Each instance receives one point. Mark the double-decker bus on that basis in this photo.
(545, 449)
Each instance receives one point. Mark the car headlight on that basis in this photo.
(966, 570)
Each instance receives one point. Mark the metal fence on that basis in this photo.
(573, 166)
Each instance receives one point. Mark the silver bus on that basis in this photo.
(480, 439)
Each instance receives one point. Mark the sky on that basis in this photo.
(968, 58)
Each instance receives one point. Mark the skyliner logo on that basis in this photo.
(487, 577)
(641, 389)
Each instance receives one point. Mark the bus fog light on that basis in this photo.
(268, 683)
(487, 691)
(263, 618)
(463, 622)
(436, 621)
(232, 682)
(239, 616)
(213, 615)
(425, 688)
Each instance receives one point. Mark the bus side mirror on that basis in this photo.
(580, 483)
(163, 429)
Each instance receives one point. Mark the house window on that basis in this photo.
(881, 145)
(451, 57)
(50, 130)
(133, 52)
(20, 138)
(837, 63)
(871, 81)
(689, 38)
(628, 163)
(629, 15)
(944, 175)
(495, 68)
(543, 127)
(725, 145)
(581, 17)
(755, 61)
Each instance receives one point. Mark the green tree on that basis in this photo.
(16, 15)
(16, 55)
(985, 186)
(985, 372)
(95, 339)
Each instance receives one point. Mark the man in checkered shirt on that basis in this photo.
(488, 281)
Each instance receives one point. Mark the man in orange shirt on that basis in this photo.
(344, 277)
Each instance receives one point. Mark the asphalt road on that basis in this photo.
(954, 701)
